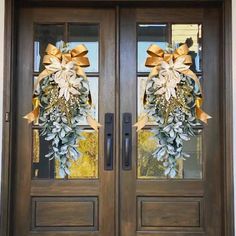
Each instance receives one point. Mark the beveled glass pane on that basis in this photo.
(193, 166)
(94, 89)
(148, 34)
(87, 34)
(87, 164)
(45, 34)
(85, 167)
(191, 34)
(149, 167)
(42, 166)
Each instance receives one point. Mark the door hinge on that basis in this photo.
(7, 117)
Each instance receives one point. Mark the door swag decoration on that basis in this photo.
(61, 99)
(173, 99)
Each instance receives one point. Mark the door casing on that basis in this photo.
(9, 89)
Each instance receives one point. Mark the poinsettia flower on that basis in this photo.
(62, 69)
(169, 77)
(69, 86)
(65, 76)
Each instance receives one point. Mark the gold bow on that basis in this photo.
(77, 55)
(155, 59)
(52, 55)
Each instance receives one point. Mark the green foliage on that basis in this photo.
(59, 119)
(176, 121)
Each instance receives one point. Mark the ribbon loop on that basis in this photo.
(155, 51)
(54, 60)
(180, 55)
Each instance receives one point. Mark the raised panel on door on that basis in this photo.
(190, 203)
(44, 202)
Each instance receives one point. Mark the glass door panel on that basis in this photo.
(152, 203)
(168, 37)
(86, 166)
(76, 204)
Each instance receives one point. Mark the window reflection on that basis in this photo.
(89, 36)
(150, 167)
(191, 34)
(45, 34)
(150, 34)
(85, 167)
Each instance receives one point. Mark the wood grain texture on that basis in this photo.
(210, 187)
(175, 188)
(165, 213)
(25, 188)
(66, 212)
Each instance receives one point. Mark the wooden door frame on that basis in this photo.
(11, 13)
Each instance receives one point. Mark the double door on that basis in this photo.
(117, 187)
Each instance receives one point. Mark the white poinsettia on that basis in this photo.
(169, 77)
(66, 78)
(69, 85)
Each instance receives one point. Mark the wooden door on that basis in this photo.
(84, 202)
(133, 197)
(151, 203)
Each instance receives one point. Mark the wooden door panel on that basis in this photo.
(156, 205)
(80, 213)
(44, 204)
(169, 213)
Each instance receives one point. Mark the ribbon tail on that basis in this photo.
(93, 123)
(201, 115)
(32, 116)
(141, 122)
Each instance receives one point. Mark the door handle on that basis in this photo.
(108, 141)
(127, 141)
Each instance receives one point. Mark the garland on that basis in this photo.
(61, 99)
(173, 99)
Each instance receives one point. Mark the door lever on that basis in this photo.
(127, 141)
(108, 141)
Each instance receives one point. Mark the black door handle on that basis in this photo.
(108, 141)
(127, 141)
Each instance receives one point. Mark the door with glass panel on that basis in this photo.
(83, 202)
(150, 202)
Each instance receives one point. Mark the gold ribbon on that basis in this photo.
(77, 55)
(33, 115)
(155, 59)
(52, 54)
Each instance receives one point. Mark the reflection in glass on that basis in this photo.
(45, 34)
(94, 88)
(148, 34)
(149, 167)
(193, 166)
(42, 166)
(89, 36)
(85, 167)
(191, 34)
